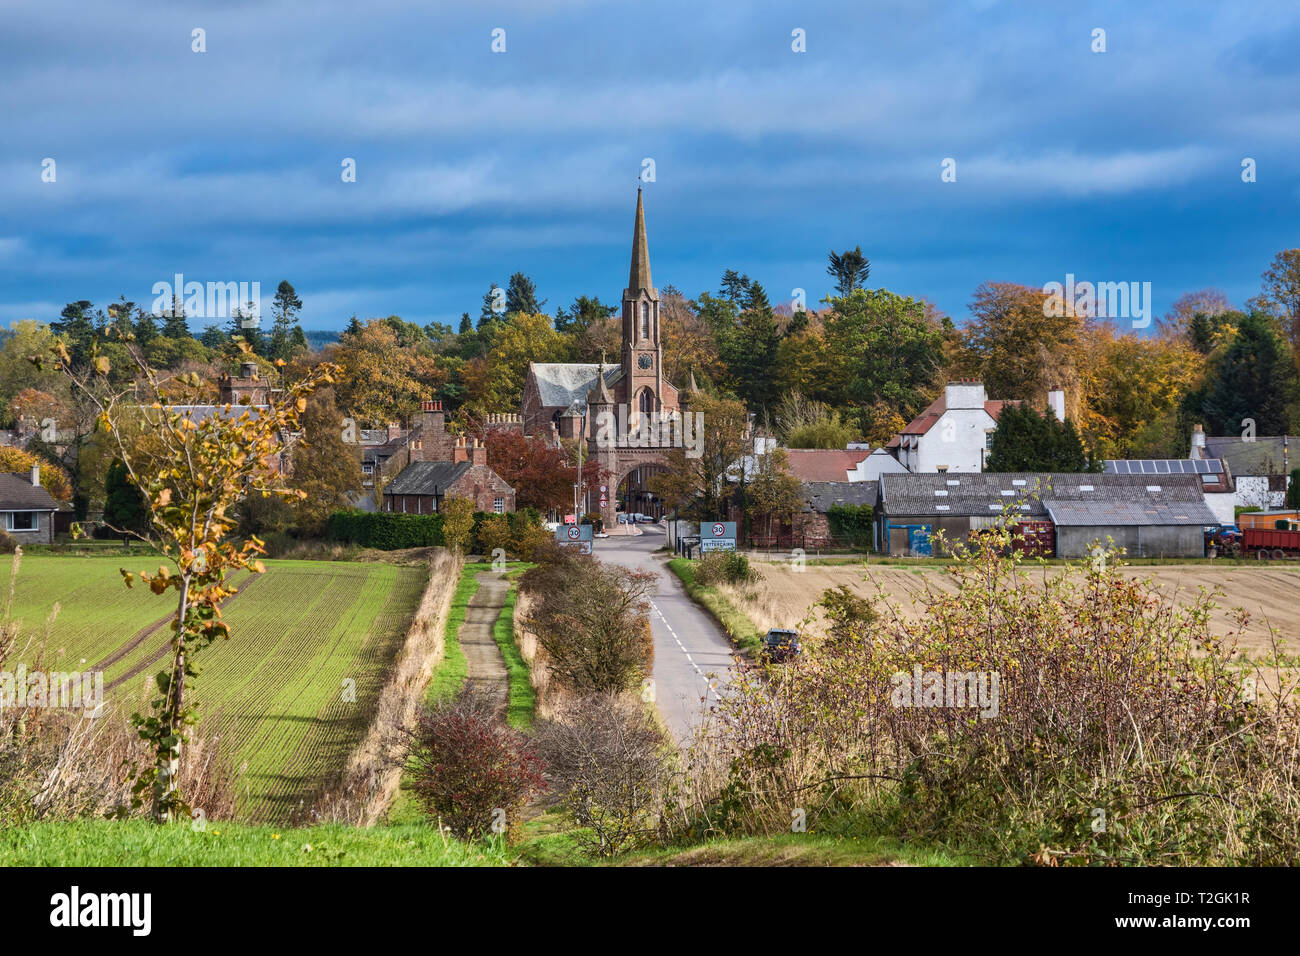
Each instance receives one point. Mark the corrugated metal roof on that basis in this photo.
(1101, 513)
(983, 494)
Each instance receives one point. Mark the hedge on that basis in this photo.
(391, 530)
(386, 530)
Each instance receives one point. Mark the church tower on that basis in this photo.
(642, 352)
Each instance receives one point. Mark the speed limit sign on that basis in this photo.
(574, 532)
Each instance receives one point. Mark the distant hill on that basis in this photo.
(319, 338)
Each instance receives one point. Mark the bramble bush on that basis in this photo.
(1125, 732)
(471, 770)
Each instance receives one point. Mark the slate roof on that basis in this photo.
(17, 493)
(923, 422)
(564, 384)
(1105, 513)
(820, 495)
(823, 464)
(957, 495)
(1263, 456)
(427, 477)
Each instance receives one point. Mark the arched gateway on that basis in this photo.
(625, 411)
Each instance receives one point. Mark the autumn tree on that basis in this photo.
(700, 485)
(1015, 346)
(326, 469)
(381, 380)
(773, 495)
(1280, 295)
(538, 471)
(53, 478)
(457, 523)
(192, 474)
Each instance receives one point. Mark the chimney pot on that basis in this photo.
(36, 476)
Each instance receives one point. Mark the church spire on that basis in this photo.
(639, 275)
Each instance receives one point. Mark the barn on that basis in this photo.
(1149, 516)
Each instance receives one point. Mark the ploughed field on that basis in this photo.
(284, 701)
(783, 597)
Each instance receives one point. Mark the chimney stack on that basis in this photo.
(1198, 442)
(478, 453)
(36, 476)
(248, 370)
(459, 452)
(1056, 401)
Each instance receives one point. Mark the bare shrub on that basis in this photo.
(471, 772)
(607, 760)
(591, 620)
(1124, 730)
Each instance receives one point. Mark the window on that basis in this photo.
(21, 521)
(499, 505)
(645, 320)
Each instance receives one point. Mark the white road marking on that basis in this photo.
(704, 677)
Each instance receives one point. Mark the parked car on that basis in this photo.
(624, 518)
(780, 646)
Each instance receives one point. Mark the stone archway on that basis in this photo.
(624, 464)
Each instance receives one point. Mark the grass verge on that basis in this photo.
(733, 621)
(452, 671)
(522, 707)
(109, 842)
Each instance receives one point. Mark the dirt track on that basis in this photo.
(1272, 594)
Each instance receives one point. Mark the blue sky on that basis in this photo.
(225, 165)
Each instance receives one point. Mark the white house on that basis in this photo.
(952, 435)
(1259, 465)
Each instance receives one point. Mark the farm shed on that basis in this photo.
(1144, 529)
(1148, 515)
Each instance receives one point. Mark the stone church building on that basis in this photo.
(563, 399)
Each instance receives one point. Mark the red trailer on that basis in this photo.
(1265, 543)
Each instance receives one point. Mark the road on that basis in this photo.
(690, 649)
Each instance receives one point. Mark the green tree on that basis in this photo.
(521, 295)
(124, 506)
(1254, 379)
(1026, 440)
(849, 269)
(284, 319)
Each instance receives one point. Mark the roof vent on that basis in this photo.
(953, 482)
(941, 508)
(1153, 487)
(1006, 494)
(938, 493)
(1085, 487)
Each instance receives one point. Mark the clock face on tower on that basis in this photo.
(645, 360)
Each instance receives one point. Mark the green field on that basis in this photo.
(274, 695)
